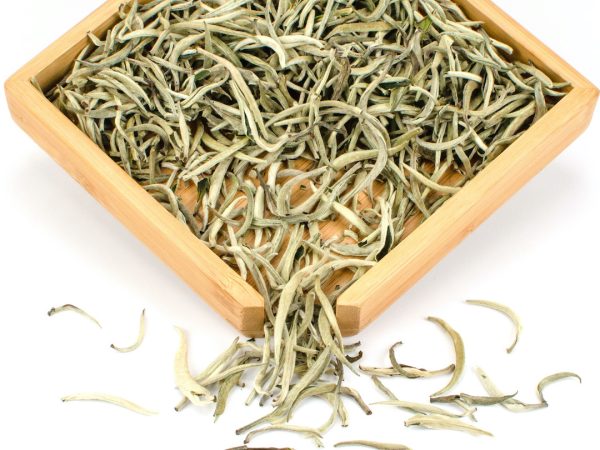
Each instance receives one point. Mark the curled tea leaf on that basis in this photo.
(75, 309)
(511, 404)
(413, 372)
(459, 351)
(407, 371)
(187, 385)
(140, 337)
(553, 379)
(507, 312)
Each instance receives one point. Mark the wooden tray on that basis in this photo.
(221, 286)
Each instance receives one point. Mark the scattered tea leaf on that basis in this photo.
(372, 444)
(507, 312)
(553, 379)
(473, 399)
(75, 309)
(459, 351)
(511, 404)
(437, 422)
(419, 408)
(140, 337)
(109, 399)
(185, 382)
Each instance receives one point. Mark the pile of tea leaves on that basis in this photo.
(280, 117)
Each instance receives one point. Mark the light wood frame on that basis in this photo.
(221, 286)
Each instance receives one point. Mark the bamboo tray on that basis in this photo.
(235, 299)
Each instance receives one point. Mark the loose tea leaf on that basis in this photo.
(459, 351)
(355, 395)
(304, 431)
(412, 372)
(407, 371)
(436, 422)
(507, 312)
(511, 404)
(140, 338)
(109, 399)
(553, 379)
(245, 447)
(383, 388)
(224, 390)
(473, 399)
(75, 309)
(419, 408)
(371, 444)
(186, 384)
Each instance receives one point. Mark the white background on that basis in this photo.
(539, 253)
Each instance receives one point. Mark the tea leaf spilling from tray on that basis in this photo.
(226, 372)
(256, 124)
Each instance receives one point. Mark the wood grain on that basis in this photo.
(235, 299)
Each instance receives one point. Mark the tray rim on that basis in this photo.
(218, 284)
(480, 197)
